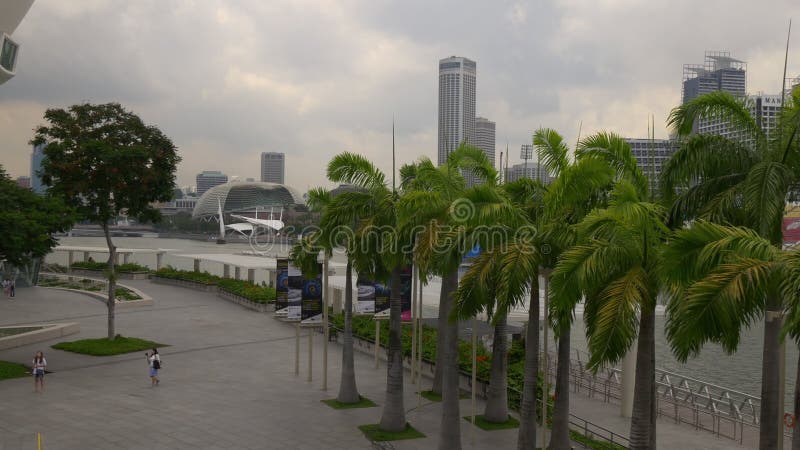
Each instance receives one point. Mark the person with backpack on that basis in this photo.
(154, 362)
(39, 365)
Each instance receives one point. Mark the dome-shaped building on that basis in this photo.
(242, 197)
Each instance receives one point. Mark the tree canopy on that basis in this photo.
(104, 160)
(28, 221)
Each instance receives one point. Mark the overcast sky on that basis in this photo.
(227, 80)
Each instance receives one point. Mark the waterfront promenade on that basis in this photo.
(228, 383)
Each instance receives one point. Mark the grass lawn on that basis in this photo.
(434, 397)
(364, 402)
(105, 347)
(374, 433)
(593, 443)
(12, 370)
(481, 423)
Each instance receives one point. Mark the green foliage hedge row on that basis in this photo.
(248, 290)
(242, 288)
(187, 275)
(98, 265)
(364, 328)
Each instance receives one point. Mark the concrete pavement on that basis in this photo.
(228, 383)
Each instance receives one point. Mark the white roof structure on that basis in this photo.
(11, 14)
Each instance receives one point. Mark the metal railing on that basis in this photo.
(577, 424)
(705, 406)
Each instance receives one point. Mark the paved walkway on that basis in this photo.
(228, 383)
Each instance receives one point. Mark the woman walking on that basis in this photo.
(39, 365)
(154, 361)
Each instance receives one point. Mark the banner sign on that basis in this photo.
(289, 284)
(311, 303)
(372, 297)
(405, 293)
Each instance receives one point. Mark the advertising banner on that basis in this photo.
(311, 302)
(366, 290)
(289, 288)
(287, 280)
(791, 224)
(405, 293)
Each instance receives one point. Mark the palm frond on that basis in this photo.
(552, 150)
(474, 160)
(318, 199)
(764, 192)
(715, 105)
(716, 307)
(616, 152)
(612, 316)
(355, 169)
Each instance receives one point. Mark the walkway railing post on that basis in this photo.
(326, 332)
(377, 340)
(296, 348)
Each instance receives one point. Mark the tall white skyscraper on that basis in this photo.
(273, 167)
(484, 140)
(456, 104)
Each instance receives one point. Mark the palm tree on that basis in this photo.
(577, 188)
(614, 266)
(436, 208)
(320, 200)
(373, 209)
(741, 180)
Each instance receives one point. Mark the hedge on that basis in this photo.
(242, 288)
(97, 265)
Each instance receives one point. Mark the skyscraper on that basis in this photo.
(719, 72)
(208, 179)
(36, 164)
(651, 155)
(273, 167)
(456, 104)
(484, 140)
(529, 170)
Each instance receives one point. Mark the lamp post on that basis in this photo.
(526, 153)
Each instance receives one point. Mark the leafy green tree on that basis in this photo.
(104, 161)
(27, 223)
(742, 180)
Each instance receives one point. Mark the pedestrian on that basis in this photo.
(154, 362)
(39, 365)
(5, 287)
(12, 285)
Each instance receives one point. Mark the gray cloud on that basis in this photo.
(227, 80)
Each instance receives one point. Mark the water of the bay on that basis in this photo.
(740, 371)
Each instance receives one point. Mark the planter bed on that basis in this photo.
(184, 284)
(99, 274)
(247, 303)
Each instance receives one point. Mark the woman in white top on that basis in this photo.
(154, 362)
(39, 364)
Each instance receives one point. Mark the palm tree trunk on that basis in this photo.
(770, 419)
(450, 430)
(393, 417)
(559, 439)
(441, 324)
(348, 392)
(526, 439)
(112, 282)
(796, 429)
(643, 422)
(497, 398)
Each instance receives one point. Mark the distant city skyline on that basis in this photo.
(259, 89)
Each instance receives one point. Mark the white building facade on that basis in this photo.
(485, 140)
(457, 76)
(11, 14)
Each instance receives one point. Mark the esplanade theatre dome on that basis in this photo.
(238, 197)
